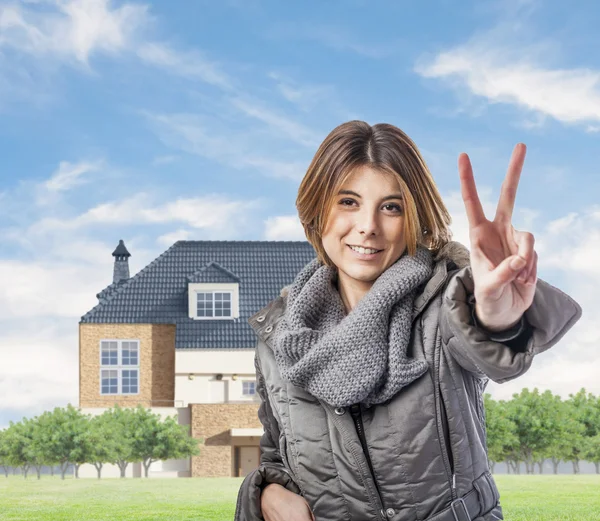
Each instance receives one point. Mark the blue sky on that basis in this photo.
(154, 122)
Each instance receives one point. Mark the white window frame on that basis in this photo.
(213, 291)
(120, 367)
(249, 382)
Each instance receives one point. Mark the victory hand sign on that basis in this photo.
(503, 261)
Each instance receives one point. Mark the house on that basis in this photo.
(175, 338)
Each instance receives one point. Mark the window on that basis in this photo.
(213, 301)
(249, 388)
(119, 366)
(212, 304)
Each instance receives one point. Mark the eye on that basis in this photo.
(346, 200)
(394, 205)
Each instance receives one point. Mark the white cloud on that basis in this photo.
(284, 228)
(74, 29)
(215, 212)
(39, 369)
(311, 98)
(500, 66)
(306, 96)
(198, 135)
(191, 64)
(46, 288)
(70, 175)
(277, 123)
(168, 239)
(579, 236)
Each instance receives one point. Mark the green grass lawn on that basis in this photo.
(523, 498)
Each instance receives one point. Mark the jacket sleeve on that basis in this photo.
(271, 468)
(502, 357)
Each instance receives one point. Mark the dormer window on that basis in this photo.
(213, 301)
(213, 293)
(213, 304)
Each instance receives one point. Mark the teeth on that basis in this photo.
(363, 250)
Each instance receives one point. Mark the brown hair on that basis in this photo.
(383, 147)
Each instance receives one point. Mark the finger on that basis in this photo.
(506, 272)
(525, 244)
(525, 272)
(468, 190)
(508, 192)
(532, 279)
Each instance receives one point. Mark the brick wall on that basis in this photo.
(212, 422)
(157, 364)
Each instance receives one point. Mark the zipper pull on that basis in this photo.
(453, 481)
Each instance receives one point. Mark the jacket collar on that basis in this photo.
(451, 256)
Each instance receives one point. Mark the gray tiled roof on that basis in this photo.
(213, 272)
(157, 294)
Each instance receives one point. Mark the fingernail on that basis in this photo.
(517, 263)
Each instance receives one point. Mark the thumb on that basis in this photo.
(509, 269)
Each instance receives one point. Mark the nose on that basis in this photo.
(366, 222)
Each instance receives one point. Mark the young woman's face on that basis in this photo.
(367, 211)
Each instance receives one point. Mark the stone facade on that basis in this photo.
(156, 359)
(212, 422)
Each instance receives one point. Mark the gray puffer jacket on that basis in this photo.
(422, 455)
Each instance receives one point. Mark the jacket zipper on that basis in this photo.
(355, 411)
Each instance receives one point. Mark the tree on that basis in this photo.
(589, 409)
(119, 429)
(4, 449)
(501, 430)
(85, 447)
(591, 451)
(38, 449)
(156, 440)
(17, 441)
(584, 411)
(537, 420)
(568, 438)
(64, 432)
(101, 440)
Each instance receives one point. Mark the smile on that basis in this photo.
(362, 253)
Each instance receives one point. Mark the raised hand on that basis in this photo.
(503, 261)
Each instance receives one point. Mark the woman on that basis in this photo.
(371, 365)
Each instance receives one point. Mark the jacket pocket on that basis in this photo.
(442, 418)
(446, 433)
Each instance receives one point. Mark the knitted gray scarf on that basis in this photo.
(359, 357)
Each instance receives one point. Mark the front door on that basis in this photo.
(249, 459)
